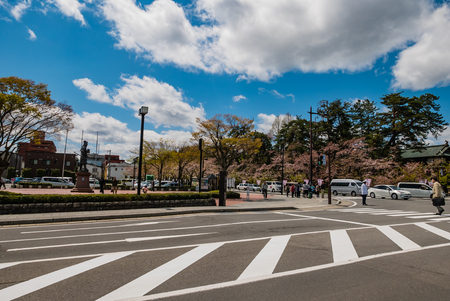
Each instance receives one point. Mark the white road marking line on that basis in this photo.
(158, 230)
(210, 287)
(434, 230)
(40, 282)
(95, 228)
(342, 246)
(424, 215)
(8, 264)
(440, 219)
(407, 214)
(144, 284)
(398, 238)
(328, 219)
(266, 260)
(107, 242)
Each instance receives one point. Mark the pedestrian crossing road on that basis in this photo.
(163, 272)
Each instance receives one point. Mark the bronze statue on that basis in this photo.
(83, 156)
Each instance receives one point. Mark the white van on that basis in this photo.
(418, 190)
(273, 186)
(346, 186)
(56, 181)
(94, 183)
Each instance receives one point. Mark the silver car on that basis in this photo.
(386, 191)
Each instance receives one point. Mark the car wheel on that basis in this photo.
(353, 193)
(335, 192)
(406, 199)
(394, 196)
(273, 190)
(372, 195)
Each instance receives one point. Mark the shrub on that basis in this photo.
(40, 172)
(26, 172)
(56, 172)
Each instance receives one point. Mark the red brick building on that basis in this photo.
(41, 154)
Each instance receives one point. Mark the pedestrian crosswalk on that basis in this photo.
(341, 246)
(396, 213)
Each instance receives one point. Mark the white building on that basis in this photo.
(118, 170)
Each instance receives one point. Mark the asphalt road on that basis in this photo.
(389, 250)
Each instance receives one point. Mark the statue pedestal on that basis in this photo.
(82, 184)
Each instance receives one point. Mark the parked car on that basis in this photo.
(27, 180)
(242, 186)
(94, 183)
(418, 190)
(172, 184)
(346, 186)
(56, 181)
(143, 184)
(273, 186)
(386, 191)
(254, 187)
(37, 179)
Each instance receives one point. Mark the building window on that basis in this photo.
(67, 163)
(45, 162)
(33, 161)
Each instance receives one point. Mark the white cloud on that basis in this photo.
(19, 10)
(165, 103)
(114, 135)
(426, 64)
(32, 35)
(264, 122)
(237, 98)
(262, 39)
(70, 8)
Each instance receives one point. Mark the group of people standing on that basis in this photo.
(297, 190)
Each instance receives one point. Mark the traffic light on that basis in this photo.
(320, 159)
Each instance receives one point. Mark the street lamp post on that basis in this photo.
(200, 146)
(282, 169)
(134, 171)
(142, 111)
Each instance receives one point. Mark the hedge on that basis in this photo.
(82, 198)
(230, 194)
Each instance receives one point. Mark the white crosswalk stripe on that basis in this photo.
(344, 250)
(392, 213)
(24, 288)
(144, 284)
(266, 261)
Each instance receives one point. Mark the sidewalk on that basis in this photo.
(256, 203)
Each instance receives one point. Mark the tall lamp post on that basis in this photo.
(282, 169)
(142, 111)
(134, 171)
(200, 146)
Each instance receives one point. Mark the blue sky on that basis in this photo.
(194, 59)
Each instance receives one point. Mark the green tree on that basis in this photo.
(183, 155)
(366, 122)
(409, 120)
(25, 108)
(338, 123)
(159, 154)
(227, 138)
(56, 172)
(295, 134)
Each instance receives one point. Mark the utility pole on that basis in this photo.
(310, 144)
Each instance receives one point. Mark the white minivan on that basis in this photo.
(346, 186)
(418, 190)
(273, 186)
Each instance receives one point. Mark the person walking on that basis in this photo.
(114, 185)
(264, 189)
(364, 193)
(292, 190)
(437, 193)
(322, 190)
(102, 185)
(2, 183)
(305, 190)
